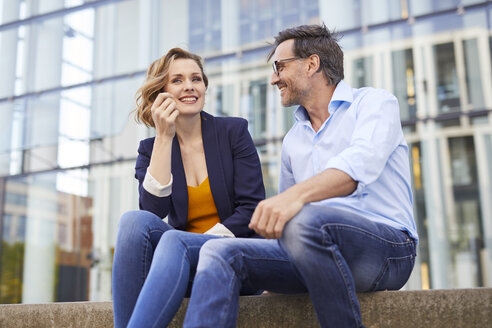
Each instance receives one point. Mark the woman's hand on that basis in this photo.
(164, 113)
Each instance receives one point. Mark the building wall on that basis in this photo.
(70, 70)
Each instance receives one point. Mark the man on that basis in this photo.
(342, 222)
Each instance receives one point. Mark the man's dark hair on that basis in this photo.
(315, 40)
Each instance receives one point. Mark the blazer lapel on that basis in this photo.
(214, 166)
(179, 188)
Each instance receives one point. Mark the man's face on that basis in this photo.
(289, 75)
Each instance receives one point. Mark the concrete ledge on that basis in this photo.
(412, 309)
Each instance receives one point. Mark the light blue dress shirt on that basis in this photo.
(363, 138)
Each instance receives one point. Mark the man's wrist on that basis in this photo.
(299, 192)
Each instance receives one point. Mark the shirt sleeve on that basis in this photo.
(153, 186)
(160, 206)
(219, 230)
(376, 135)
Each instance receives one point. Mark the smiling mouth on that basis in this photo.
(188, 99)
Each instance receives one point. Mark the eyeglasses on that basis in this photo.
(275, 63)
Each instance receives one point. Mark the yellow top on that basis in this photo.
(202, 213)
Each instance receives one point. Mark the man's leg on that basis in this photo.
(138, 235)
(229, 265)
(172, 270)
(337, 253)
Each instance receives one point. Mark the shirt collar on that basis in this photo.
(342, 93)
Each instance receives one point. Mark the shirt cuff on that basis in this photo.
(219, 230)
(155, 188)
(341, 165)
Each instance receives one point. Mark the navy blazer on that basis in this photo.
(234, 173)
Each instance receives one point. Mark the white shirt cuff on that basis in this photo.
(155, 188)
(219, 230)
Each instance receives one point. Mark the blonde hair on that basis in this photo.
(157, 79)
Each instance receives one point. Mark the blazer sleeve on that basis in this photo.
(157, 205)
(248, 181)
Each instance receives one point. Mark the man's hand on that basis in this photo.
(272, 214)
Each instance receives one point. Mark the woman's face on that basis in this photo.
(187, 86)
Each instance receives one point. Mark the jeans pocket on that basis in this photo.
(394, 273)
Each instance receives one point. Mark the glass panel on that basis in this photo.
(224, 100)
(257, 110)
(473, 78)
(73, 142)
(421, 7)
(15, 10)
(42, 115)
(270, 169)
(205, 25)
(448, 96)
(378, 11)
(12, 10)
(490, 49)
(262, 19)
(288, 117)
(13, 63)
(46, 242)
(118, 46)
(404, 83)
(471, 2)
(465, 227)
(351, 17)
(420, 214)
(363, 72)
(112, 106)
(6, 117)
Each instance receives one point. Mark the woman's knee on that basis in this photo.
(138, 219)
(135, 225)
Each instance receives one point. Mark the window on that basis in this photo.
(404, 83)
(205, 25)
(473, 80)
(257, 108)
(363, 72)
(464, 227)
(448, 96)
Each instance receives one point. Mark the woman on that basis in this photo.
(200, 171)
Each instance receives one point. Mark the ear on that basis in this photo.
(313, 63)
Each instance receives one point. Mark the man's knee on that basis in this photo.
(217, 252)
(300, 224)
(308, 228)
(295, 232)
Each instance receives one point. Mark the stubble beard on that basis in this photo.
(294, 95)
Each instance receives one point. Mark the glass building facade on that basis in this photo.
(70, 70)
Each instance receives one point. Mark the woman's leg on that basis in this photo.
(138, 235)
(173, 268)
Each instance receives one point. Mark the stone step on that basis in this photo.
(413, 309)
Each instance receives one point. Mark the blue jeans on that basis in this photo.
(153, 269)
(326, 252)
(139, 233)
